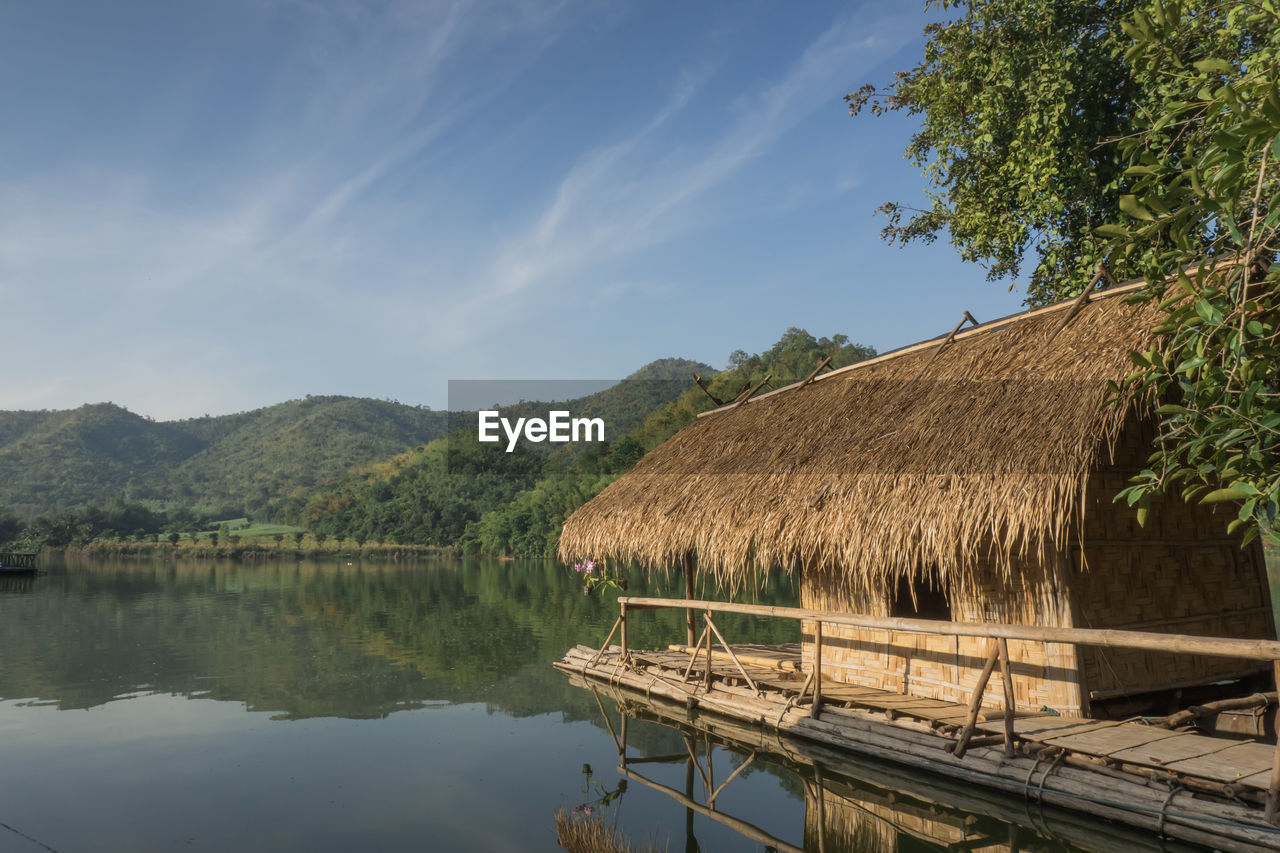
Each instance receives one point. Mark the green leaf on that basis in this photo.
(1220, 495)
(1215, 66)
(1129, 204)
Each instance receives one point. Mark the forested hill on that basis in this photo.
(455, 491)
(263, 463)
(102, 452)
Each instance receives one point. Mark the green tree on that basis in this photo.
(1202, 221)
(1138, 133)
(297, 538)
(1014, 97)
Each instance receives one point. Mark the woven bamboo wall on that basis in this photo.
(1180, 574)
(1045, 675)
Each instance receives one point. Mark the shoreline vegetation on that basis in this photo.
(259, 548)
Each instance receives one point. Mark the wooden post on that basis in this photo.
(1009, 704)
(1273, 791)
(975, 701)
(688, 593)
(741, 669)
(693, 654)
(706, 681)
(622, 621)
(817, 669)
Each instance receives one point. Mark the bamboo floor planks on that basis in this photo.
(778, 669)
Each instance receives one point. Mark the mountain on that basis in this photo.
(255, 459)
(264, 462)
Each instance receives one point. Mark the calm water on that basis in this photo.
(154, 705)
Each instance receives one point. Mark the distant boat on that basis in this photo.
(17, 562)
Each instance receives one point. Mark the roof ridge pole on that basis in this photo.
(752, 392)
(967, 318)
(1082, 299)
(826, 362)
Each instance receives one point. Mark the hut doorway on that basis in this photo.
(929, 602)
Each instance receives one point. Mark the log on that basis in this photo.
(1211, 709)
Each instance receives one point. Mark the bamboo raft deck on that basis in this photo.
(1192, 787)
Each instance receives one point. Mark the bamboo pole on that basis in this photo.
(753, 391)
(607, 724)
(1263, 650)
(738, 825)
(622, 619)
(1210, 709)
(693, 756)
(826, 362)
(706, 680)
(734, 775)
(688, 591)
(605, 644)
(817, 670)
(1273, 790)
(975, 701)
(750, 682)
(819, 793)
(1010, 705)
(693, 656)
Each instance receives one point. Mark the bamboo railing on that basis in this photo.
(998, 633)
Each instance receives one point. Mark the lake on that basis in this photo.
(156, 704)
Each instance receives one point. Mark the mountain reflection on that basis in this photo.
(305, 639)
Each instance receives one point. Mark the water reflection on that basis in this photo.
(305, 639)
(301, 706)
(851, 805)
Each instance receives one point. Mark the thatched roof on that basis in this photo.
(877, 470)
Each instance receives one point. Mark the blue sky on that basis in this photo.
(211, 207)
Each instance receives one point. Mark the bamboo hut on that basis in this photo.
(969, 478)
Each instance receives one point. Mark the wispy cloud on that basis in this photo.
(636, 193)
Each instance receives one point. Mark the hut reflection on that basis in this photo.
(851, 804)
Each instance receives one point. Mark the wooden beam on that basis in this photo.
(689, 618)
(1263, 650)
(826, 362)
(750, 681)
(753, 390)
(739, 826)
(975, 701)
(1010, 704)
(1273, 790)
(816, 708)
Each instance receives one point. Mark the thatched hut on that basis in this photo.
(970, 479)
